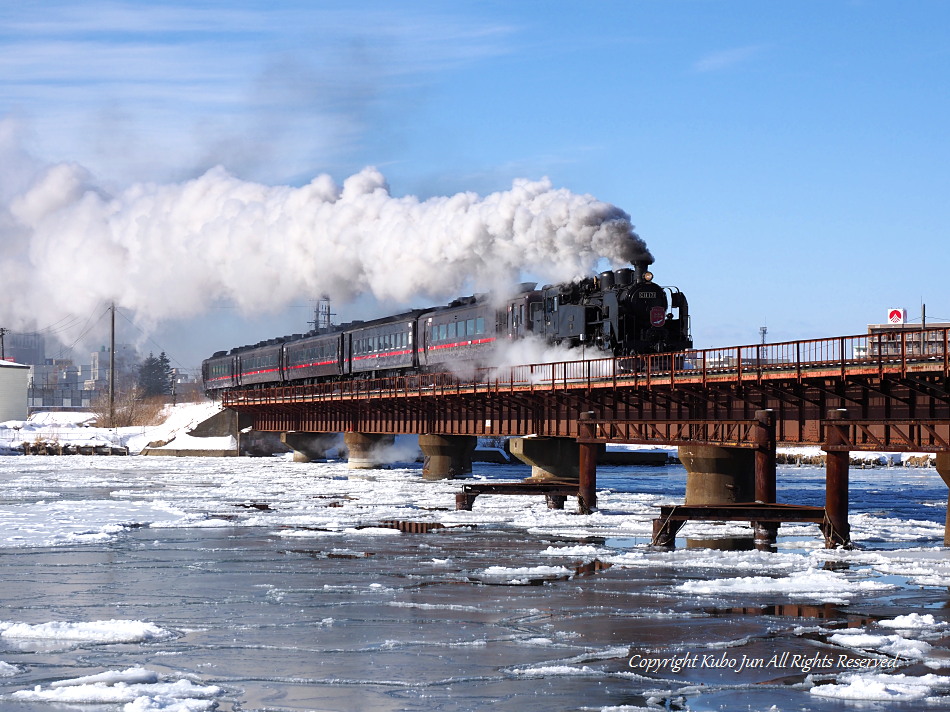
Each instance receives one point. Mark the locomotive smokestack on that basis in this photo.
(639, 269)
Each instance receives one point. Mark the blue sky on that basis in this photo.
(787, 163)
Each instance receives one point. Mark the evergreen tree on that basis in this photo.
(155, 375)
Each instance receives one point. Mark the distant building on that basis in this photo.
(898, 334)
(25, 348)
(126, 361)
(14, 381)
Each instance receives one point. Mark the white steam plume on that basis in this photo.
(170, 251)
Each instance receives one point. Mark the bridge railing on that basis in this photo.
(897, 351)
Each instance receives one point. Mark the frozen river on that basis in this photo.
(261, 584)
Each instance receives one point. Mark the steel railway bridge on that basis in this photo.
(872, 392)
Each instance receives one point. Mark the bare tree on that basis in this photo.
(131, 408)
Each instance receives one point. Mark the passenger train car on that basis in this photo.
(621, 313)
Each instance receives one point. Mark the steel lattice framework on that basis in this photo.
(894, 388)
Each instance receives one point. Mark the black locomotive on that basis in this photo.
(620, 313)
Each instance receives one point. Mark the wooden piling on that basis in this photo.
(587, 475)
(836, 528)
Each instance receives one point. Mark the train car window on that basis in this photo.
(451, 330)
(480, 325)
(442, 332)
(470, 327)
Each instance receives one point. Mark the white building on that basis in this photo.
(14, 381)
(898, 336)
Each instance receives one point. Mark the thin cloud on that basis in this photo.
(727, 58)
(263, 90)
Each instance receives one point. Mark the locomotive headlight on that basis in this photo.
(647, 276)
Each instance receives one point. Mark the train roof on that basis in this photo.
(382, 321)
(361, 324)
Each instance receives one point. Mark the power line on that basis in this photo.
(150, 339)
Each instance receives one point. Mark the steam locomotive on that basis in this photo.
(621, 313)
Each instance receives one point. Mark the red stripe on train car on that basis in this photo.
(316, 363)
(474, 342)
(382, 355)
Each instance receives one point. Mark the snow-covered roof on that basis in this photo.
(11, 364)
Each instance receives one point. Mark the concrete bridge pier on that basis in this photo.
(447, 456)
(310, 446)
(551, 459)
(943, 469)
(718, 475)
(728, 475)
(365, 449)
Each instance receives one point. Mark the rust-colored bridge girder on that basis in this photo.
(897, 399)
(865, 392)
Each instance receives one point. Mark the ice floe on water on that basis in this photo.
(136, 689)
(810, 585)
(887, 688)
(300, 563)
(920, 566)
(7, 670)
(913, 621)
(110, 631)
(523, 575)
(56, 522)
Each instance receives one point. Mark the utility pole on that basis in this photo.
(3, 353)
(112, 370)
